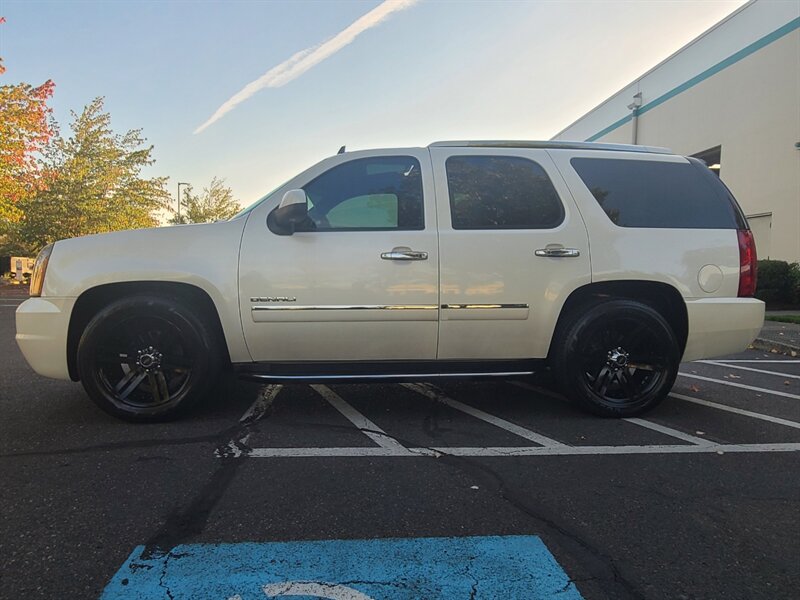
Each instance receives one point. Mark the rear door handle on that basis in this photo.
(558, 252)
(404, 253)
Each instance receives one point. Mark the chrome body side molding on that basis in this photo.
(350, 307)
(482, 306)
(286, 313)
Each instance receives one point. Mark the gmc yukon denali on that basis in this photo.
(606, 264)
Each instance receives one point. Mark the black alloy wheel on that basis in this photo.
(146, 358)
(618, 358)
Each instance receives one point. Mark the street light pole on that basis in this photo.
(180, 183)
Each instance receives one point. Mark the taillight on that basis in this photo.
(747, 263)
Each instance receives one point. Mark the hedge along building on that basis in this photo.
(732, 98)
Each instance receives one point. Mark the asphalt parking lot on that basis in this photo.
(403, 491)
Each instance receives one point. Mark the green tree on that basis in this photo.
(97, 184)
(214, 203)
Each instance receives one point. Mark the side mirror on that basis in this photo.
(292, 210)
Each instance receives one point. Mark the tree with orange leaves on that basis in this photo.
(25, 131)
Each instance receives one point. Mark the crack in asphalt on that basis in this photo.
(161, 583)
(191, 520)
(468, 573)
(572, 582)
(129, 445)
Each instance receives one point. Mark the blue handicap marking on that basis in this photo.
(488, 568)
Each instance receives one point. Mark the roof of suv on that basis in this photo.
(549, 144)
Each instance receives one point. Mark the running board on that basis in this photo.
(385, 371)
(394, 377)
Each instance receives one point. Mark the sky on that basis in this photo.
(256, 91)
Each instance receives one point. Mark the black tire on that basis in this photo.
(616, 358)
(147, 358)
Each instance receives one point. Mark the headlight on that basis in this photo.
(39, 269)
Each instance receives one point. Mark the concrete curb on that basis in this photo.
(779, 347)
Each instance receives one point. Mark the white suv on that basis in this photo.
(607, 264)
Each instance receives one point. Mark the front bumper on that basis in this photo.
(720, 326)
(42, 326)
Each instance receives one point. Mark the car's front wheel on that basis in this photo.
(147, 358)
(617, 358)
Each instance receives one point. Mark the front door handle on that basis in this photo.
(404, 253)
(558, 252)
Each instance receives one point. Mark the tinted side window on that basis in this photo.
(647, 193)
(367, 194)
(501, 192)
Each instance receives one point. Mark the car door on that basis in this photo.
(512, 247)
(359, 279)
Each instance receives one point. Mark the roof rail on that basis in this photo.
(558, 145)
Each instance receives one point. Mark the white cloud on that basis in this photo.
(304, 60)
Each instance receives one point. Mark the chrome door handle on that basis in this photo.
(404, 253)
(558, 252)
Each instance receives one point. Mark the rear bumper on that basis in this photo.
(720, 326)
(42, 326)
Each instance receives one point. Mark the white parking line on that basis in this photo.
(367, 427)
(521, 451)
(752, 388)
(738, 411)
(722, 364)
(437, 396)
(326, 452)
(11, 305)
(756, 360)
(641, 422)
(670, 432)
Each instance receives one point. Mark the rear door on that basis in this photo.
(512, 247)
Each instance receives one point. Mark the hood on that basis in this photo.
(160, 253)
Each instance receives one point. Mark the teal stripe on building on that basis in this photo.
(711, 71)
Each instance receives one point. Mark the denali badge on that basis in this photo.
(274, 299)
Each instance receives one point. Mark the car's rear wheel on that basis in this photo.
(616, 358)
(147, 358)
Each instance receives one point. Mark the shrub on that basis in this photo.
(778, 282)
(794, 283)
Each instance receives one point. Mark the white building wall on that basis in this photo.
(738, 86)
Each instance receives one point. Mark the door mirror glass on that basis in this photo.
(293, 209)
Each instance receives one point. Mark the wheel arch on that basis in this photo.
(94, 299)
(662, 297)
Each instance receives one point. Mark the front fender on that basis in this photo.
(205, 256)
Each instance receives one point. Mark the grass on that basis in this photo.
(784, 318)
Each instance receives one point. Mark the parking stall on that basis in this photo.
(716, 407)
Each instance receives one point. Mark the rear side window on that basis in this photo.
(501, 192)
(647, 193)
